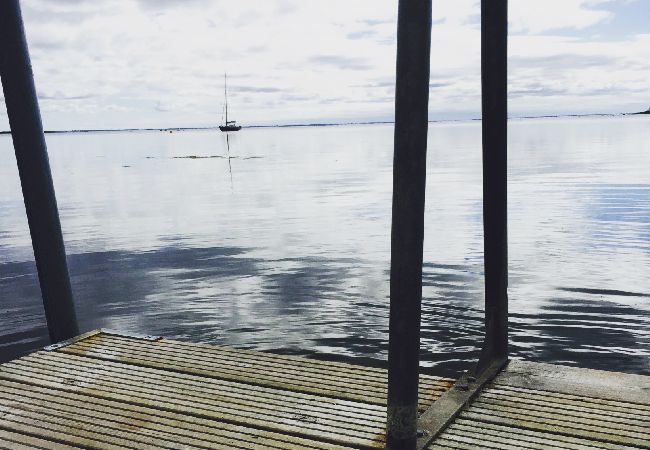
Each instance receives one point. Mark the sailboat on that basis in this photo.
(230, 125)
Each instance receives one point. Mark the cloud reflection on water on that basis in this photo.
(294, 257)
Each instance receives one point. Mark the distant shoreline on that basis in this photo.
(323, 124)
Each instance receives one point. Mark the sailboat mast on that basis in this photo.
(225, 93)
(228, 126)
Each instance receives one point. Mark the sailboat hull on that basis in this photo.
(230, 127)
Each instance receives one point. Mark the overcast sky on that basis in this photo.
(140, 63)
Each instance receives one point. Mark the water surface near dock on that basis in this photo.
(285, 245)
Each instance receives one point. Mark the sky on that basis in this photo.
(160, 63)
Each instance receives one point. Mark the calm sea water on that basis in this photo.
(285, 246)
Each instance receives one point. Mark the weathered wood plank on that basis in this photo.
(113, 392)
(563, 420)
(535, 397)
(610, 405)
(202, 389)
(488, 430)
(570, 414)
(207, 352)
(598, 384)
(86, 435)
(306, 415)
(531, 405)
(474, 441)
(557, 425)
(284, 377)
(451, 444)
(76, 426)
(11, 440)
(570, 419)
(135, 417)
(338, 380)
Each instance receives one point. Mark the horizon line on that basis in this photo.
(315, 124)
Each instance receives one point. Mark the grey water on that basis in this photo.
(285, 246)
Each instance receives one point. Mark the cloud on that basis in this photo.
(285, 7)
(361, 34)
(340, 62)
(563, 60)
(60, 96)
(373, 22)
(536, 89)
(64, 12)
(379, 84)
(577, 74)
(256, 89)
(161, 62)
(297, 98)
(166, 4)
(74, 3)
(537, 16)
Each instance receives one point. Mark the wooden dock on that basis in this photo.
(108, 391)
(541, 406)
(104, 390)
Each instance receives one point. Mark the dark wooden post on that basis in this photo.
(494, 74)
(409, 176)
(35, 176)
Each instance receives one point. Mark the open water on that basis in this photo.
(285, 245)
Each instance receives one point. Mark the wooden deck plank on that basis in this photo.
(107, 391)
(258, 417)
(197, 388)
(532, 405)
(557, 424)
(76, 426)
(569, 414)
(591, 383)
(272, 378)
(337, 380)
(135, 417)
(487, 429)
(19, 441)
(537, 397)
(78, 433)
(474, 441)
(306, 415)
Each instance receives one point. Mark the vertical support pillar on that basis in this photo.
(35, 175)
(409, 176)
(494, 54)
